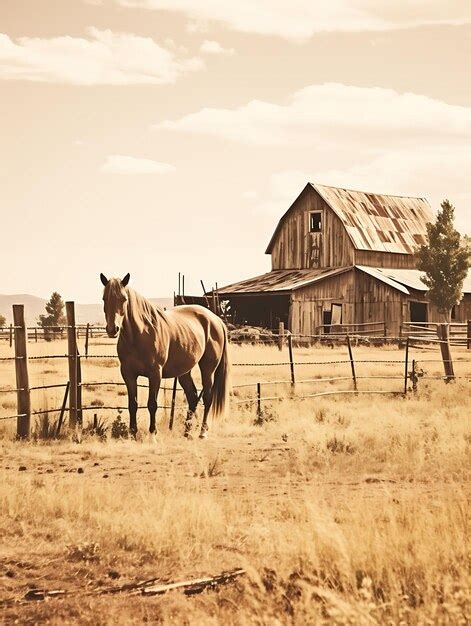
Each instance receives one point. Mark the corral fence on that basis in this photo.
(72, 399)
(459, 333)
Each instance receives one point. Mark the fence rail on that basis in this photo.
(72, 400)
(459, 333)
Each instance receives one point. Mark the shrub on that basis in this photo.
(119, 429)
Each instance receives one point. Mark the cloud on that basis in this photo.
(328, 114)
(214, 47)
(197, 26)
(300, 19)
(120, 164)
(103, 58)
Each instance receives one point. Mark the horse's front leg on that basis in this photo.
(131, 384)
(154, 386)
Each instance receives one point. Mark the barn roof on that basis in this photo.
(279, 281)
(403, 279)
(284, 281)
(375, 222)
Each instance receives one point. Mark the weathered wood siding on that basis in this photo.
(296, 248)
(309, 303)
(463, 310)
(378, 302)
(364, 299)
(385, 259)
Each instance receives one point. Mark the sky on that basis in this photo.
(165, 136)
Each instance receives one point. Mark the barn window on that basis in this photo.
(453, 313)
(315, 222)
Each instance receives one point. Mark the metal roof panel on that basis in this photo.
(279, 281)
(378, 222)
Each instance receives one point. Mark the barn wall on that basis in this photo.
(364, 299)
(296, 248)
(308, 304)
(378, 302)
(463, 310)
(385, 259)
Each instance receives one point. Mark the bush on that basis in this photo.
(119, 429)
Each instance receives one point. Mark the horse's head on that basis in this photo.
(115, 301)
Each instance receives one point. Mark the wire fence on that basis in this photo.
(409, 376)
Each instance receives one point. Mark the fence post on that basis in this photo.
(291, 360)
(64, 404)
(414, 377)
(406, 366)
(468, 338)
(443, 335)
(259, 399)
(352, 362)
(86, 339)
(74, 394)
(23, 422)
(385, 330)
(281, 335)
(172, 406)
(11, 335)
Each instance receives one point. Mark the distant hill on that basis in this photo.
(84, 313)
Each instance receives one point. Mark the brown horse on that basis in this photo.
(160, 344)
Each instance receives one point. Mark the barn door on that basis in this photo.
(336, 314)
(332, 319)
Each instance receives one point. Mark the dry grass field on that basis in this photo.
(341, 509)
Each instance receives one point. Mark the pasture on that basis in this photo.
(341, 509)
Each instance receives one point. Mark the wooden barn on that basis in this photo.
(342, 257)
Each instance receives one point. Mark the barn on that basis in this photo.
(342, 257)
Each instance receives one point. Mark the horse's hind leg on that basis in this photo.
(186, 381)
(207, 378)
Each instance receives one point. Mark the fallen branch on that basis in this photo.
(146, 588)
(194, 586)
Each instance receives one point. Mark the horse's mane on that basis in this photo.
(141, 314)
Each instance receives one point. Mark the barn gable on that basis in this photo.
(333, 227)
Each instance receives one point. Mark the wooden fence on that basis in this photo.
(72, 400)
(459, 333)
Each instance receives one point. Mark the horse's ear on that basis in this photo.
(125, 280)
(103, 279)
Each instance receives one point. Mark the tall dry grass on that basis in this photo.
(362, 559)
(342, 510)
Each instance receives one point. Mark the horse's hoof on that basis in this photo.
(204, 434)
(188, 436)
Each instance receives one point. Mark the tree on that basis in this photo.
(3, 321)
(445, 260)
(55, 315)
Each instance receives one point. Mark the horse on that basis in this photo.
(158, 344)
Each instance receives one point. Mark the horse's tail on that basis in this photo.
(221, 384)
